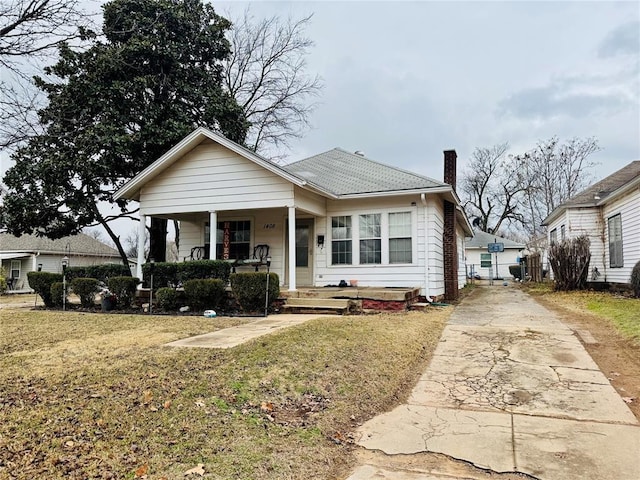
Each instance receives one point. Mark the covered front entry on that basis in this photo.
(304, 252)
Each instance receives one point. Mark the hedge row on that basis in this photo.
(168, 274)
(102, 273)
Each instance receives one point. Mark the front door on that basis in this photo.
(304, 252)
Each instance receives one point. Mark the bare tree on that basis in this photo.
(30, 30)
(266, 74)
(552, 173)
(492, 191)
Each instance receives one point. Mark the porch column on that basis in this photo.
(292, 248)
(142, 236)
(213, 227)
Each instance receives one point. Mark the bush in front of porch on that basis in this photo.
(250, 290)
(169, 274)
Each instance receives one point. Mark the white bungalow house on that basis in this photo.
(29, 253)
(481, 262)
(608, 212)
(331, 217)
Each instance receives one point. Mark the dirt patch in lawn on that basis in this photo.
(617, 355)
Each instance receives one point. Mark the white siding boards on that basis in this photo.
(627, 210)
(212, 177)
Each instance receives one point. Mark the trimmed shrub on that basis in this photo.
(165, 274)
(56, 294)
(41, 283)
(204, 294)
(168, 298)
(86, 289)
(569, 260)
(124, 288)
(3, 281)
(200, 269)
(100, 272)
(635, 280)
(249, 289)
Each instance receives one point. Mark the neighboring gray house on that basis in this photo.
(335, 216)
(481, 262)
(29, 253)
(608, 212)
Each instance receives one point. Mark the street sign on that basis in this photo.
(495, 247)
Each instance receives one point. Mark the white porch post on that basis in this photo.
(213, 227)
(292, 249)
(142, 237)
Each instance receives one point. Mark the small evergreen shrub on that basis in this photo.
(100, 272)
(169, 299)
(56, 294)
(3, 281)
(41, 283)
(86, 289)
(635, 279)
(250, 288)
(165, 274)
(124, 288)
(199, 269)
(204, 294)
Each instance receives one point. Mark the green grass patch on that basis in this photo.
(98, 396)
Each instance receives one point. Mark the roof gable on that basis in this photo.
(131, 189)
(344, 173)
(601, 192)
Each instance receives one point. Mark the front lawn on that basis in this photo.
(98, 396)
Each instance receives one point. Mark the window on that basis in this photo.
(485, 260)
(553, 236)
(370, 239)
(562, 232)
(233, 239)
(400, 247)
(15, 269)
(341, 240)
(615, 241)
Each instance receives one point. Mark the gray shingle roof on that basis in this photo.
(343, 173)
(481, 239)
(80, 244)
(606, 186)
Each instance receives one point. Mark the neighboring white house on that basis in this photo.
(487, 265)
(335, 216)
(608, 212)
(29, 253)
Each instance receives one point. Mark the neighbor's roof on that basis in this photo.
(482, 239)
(601, 192)
(80, 244)
(344, 173)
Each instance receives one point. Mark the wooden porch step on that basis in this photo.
(324, 304)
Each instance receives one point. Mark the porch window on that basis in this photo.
(233, 239)
(370, 239)
(615, 242)
(15, 269)
(400, 247)
(341, 247)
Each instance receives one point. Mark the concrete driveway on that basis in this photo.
(509, 389)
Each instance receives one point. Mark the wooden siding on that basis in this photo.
(628, 207)
(213, 177)
(462, 273)
(436, 253)
(310, 202)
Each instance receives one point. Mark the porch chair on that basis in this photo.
(260, 254)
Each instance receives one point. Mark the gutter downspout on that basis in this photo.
(423, 199)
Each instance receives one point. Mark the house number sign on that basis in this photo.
(269, 226)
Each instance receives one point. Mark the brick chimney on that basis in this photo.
(450, 167)
(449, 237)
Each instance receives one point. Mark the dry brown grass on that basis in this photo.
(98, 396)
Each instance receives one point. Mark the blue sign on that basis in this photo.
(495, 247)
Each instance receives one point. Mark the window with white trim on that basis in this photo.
(400, 244)
(341, 246)
(553, 236)
(563, 234)
(15, 269)
(233, 239)
(370, 239)
(616, 259)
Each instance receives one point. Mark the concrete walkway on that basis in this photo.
(232, 336)
(509, 389)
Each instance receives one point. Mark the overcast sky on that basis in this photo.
(406, 80)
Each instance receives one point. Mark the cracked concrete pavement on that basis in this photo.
(510, 389)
